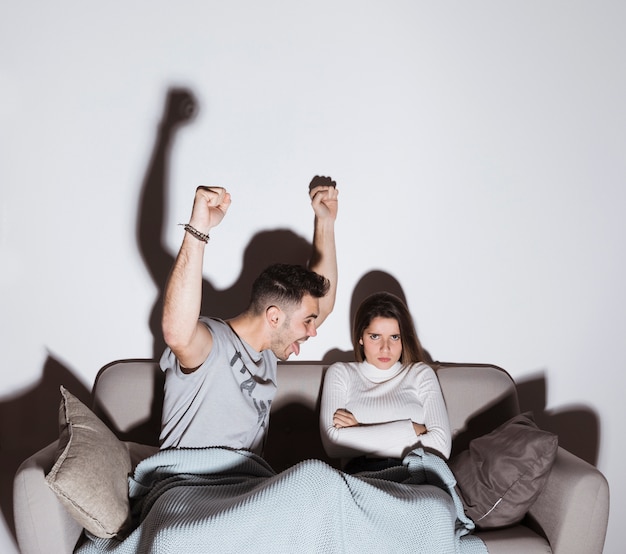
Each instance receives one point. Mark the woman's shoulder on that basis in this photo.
(421, 368)
(341, 368)
(344, 365)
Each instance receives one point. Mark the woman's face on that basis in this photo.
(382, 343)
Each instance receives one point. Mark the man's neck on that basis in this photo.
(250, 329)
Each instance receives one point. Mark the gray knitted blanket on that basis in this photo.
(220, 500)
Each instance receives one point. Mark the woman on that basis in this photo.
(376, 410)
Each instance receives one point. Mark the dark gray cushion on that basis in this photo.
(90, 474)
(502, 473)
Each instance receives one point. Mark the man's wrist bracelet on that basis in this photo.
(195, 233)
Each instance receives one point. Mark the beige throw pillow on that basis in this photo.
(90, 475)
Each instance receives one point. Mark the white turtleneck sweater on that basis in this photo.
(385, 402)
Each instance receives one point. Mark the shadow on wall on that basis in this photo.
(267, 247)
(29, 422)
(578, 427)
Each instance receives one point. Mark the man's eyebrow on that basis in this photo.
(314, 316)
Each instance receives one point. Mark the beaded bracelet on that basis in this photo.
(195, 233)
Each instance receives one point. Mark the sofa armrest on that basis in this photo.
(42, 524)
(573, 508)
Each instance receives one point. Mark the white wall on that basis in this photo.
(478, 146)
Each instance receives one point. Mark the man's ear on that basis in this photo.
(274, 316)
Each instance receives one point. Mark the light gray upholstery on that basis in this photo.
(570, 516)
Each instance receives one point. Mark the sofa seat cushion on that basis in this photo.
(517, 539)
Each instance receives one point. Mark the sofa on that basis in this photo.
(569, 516)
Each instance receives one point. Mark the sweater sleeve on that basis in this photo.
(385, 439)
(438, 436)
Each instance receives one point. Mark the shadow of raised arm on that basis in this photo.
(180, 108)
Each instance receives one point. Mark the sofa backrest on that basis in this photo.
(479, 397)
(128, 396)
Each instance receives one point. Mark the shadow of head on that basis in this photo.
(264, 249)
(577, 426)
(372, 282)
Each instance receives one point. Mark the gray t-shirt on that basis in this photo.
(226, 401)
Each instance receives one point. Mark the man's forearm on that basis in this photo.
(324, 262)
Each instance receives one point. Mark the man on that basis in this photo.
(220, 376)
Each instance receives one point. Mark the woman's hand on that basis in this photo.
(344, 418)
(419, 428)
